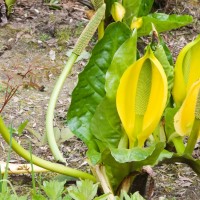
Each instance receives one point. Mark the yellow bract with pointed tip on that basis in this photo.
(141, 98)
(184, 118)
(136, 23)
(117, 11)
(187, 70)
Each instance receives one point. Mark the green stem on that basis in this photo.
(54, 167)
(194, 164)
(103, 179)
(193, 137)
(80, 45)
(101, 30)
(179, 145)
(50, 110)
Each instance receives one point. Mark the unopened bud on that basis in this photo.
(136, 23)
(117, 11)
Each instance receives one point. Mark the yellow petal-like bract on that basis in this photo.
(136, 23)
(117, 11)
(184, 118)
(187, 70)
(141, 98)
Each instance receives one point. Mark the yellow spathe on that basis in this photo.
(184, 118)
(117, 11)
(136, 23)
(187, 70)
(141, 98)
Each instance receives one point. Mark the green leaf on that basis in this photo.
(163, 22)
(62, 135)
(21, 127)
(169, 70)
(115, 171)
(167, 51)
(145, 7)
(90, 91)
(135, 196)
(108, 7)
(123, 58)
(135, 154)
(38, 197)
(132, 9)
(93, 152)
(9, 5)
(102, 197)
(165, 155)
(106, 124)
(53, 189)
(169, 121)
(61, 178)
(67, 197)
(85, 190)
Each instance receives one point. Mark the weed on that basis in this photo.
(44, 37)
(63, 35)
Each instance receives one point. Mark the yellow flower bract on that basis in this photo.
(141, 98)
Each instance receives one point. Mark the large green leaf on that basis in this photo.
(90, 91)
(137, 154)
(145, 7)
(169, 70)
(132, 9)
(120, 163)
(163, 22)
(169, 121)
(108, 6)
(123, 58)
(106, 124)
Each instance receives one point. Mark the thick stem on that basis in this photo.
(79, 47)
(52, 104)
(101, 175)
(193, 137)
(54, 167)
(194, 164)
(179, 145)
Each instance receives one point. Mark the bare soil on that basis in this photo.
(33, 52)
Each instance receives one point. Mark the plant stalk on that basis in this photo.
(79, 47)
(179, 145)
(54, 167)
(51, 107)
(195, 128)
(101, 175)
(193, 137)
(194, 164)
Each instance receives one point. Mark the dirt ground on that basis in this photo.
(33, 50)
